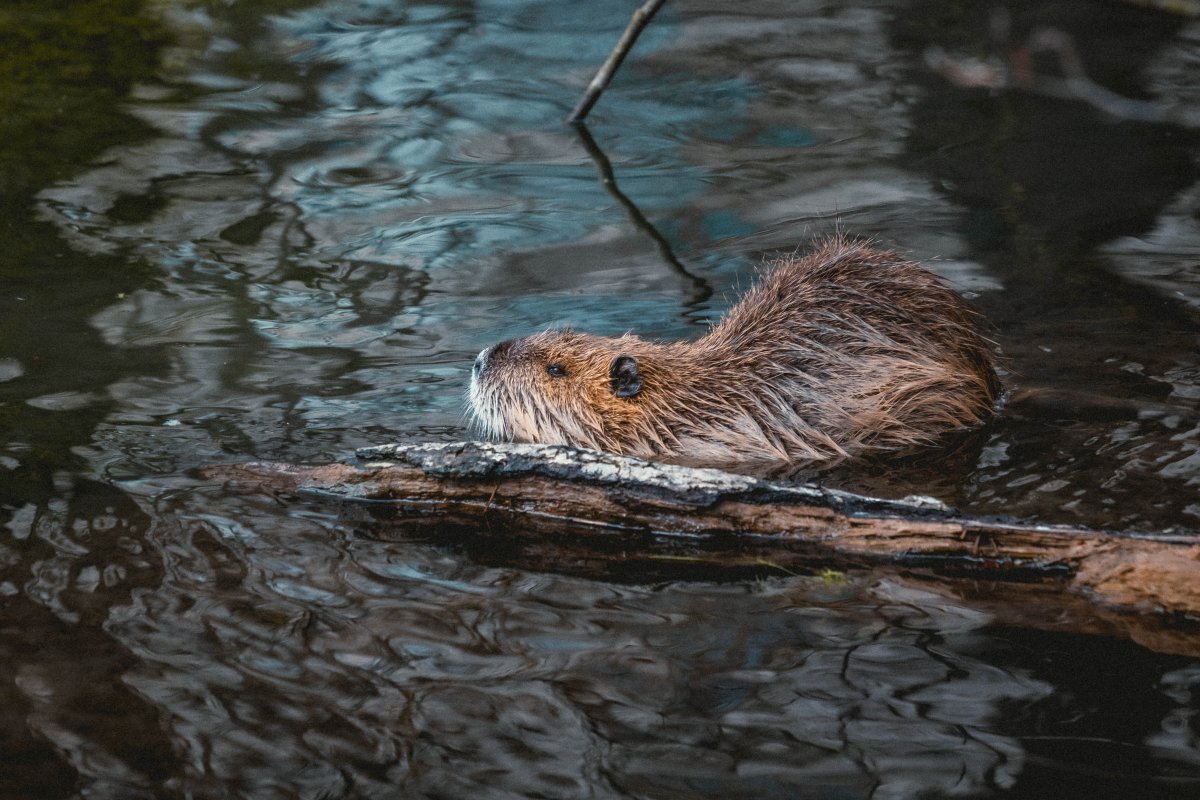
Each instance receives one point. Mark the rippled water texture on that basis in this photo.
(282, 230)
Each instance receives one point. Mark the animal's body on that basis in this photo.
(847, 351)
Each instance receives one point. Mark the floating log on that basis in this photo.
(714, 518)
(565, 489)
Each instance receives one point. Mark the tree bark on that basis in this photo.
(725, 520)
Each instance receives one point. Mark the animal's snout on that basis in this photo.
(480, 362)
(488, 355)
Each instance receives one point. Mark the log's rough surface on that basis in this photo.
(741, 520)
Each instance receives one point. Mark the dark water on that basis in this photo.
(282, 230)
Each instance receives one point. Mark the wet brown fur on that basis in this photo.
(845, 352)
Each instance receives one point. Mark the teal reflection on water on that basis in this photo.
(454, 89)
(726, 224)
(786, 136)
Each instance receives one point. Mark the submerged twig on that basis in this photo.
(701, 290)
(1014, 70)
(641, 18)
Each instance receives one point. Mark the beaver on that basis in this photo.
(849, 351)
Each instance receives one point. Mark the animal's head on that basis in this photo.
(556, 387)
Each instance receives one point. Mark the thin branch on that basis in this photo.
(641, 18)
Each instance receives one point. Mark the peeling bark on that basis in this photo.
(724, 520)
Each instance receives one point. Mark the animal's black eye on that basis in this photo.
(556, 370)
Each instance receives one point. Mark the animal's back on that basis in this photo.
(844, 287)
(863, 345)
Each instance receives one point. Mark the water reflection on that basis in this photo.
(277, 655)
(1043, 180)
(68, 713)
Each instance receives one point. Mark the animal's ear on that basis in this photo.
(623, 376)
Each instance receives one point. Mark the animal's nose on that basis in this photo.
(490, 354)
(480, 362)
